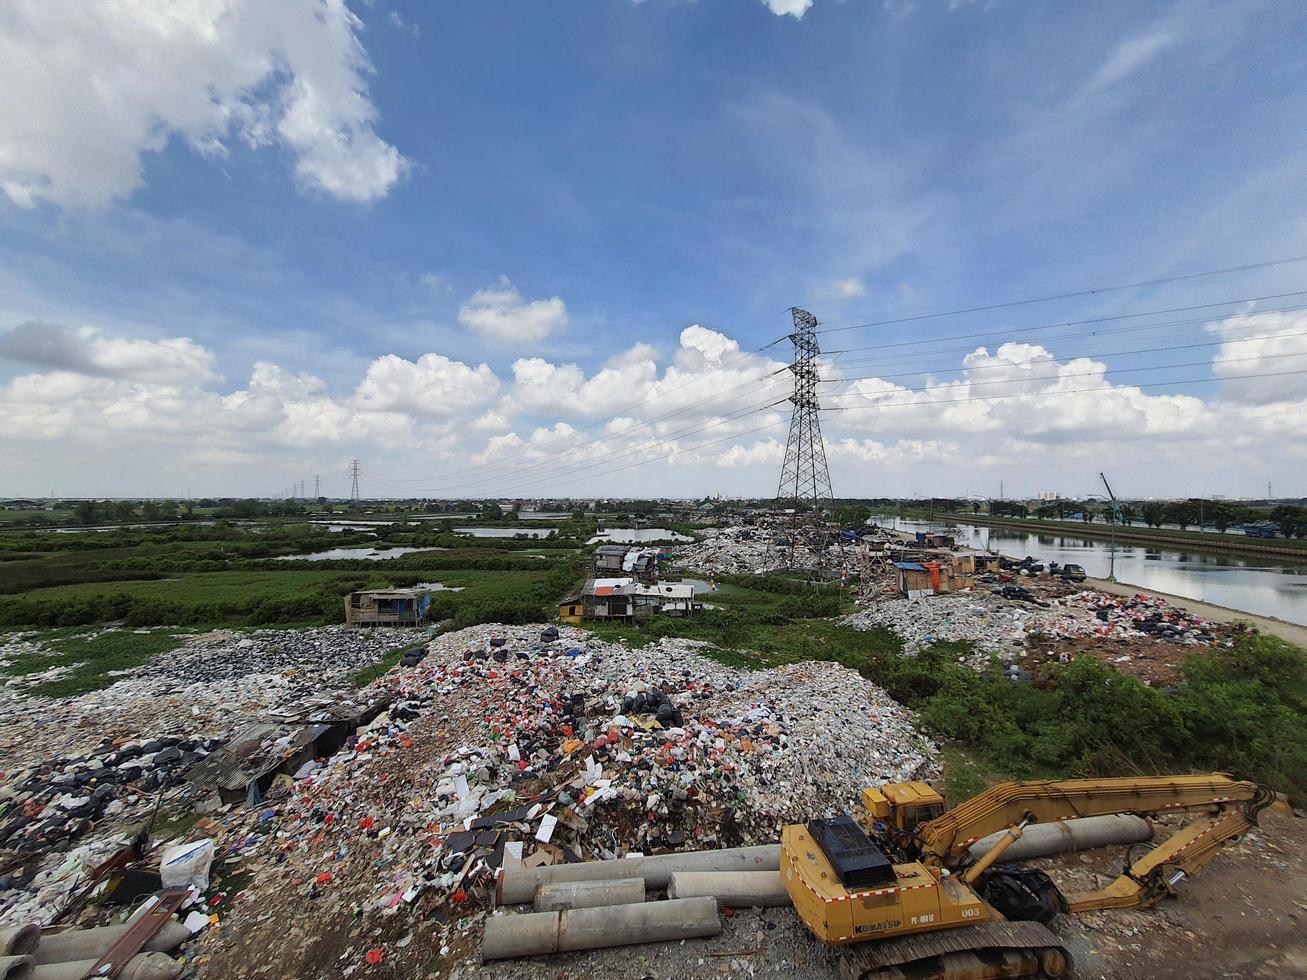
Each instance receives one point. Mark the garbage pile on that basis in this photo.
(1141, 614)
(503, 747)
(743, 551)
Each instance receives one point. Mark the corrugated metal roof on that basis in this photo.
(909, 566)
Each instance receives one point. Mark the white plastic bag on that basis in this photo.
(186, 865)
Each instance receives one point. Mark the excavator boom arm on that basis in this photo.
(1155, 875)
(944, 840)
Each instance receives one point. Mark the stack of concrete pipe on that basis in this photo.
(27, 955)
(597, 904)
(16, 945)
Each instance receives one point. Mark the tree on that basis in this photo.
(1182, 513)
(1291, 520)
(87, 511)
(1153, 514)
(1127, 514)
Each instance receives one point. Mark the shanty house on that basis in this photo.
(387, 607)
(628, 599)
(956, 573)
(609, 557)
(571, 609)
(642, 563)
(671, 598)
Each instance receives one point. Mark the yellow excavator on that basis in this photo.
(906, 897)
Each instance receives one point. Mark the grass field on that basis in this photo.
(96, 655)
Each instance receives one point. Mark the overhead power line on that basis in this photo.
(1078, 323)
(1059, 377)
(1060, 391)
(1009, 366)
(1161, 281)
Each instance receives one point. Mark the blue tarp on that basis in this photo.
(910, 566)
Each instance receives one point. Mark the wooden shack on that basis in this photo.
(387, 607)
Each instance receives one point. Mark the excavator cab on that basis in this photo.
(903, 805)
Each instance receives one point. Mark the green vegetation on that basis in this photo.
(1241, 709)
(96, 656)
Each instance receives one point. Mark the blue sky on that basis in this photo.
(240, 246)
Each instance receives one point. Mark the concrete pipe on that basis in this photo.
(516, 886)
(91, 944)
(142, 966)
(1057, 837)
(734, 889)
(564, 895)
(540, 933)
(15, 968)
(19, 940)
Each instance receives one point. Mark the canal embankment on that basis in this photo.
(1234, 544)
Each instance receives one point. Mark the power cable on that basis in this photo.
(1059, 377)
(1161, 281)
(1073, 391)
(1063, 357)
(561, 460)
(584, 468)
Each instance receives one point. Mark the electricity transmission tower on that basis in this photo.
(805, 486)
(317, 484)
(354, 481)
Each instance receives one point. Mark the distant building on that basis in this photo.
(387, 607)
(1048, 496)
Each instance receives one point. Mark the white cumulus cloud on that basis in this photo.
(91, 86)
(433, 386)
(500, 313)
(85, 350)
(795, 8)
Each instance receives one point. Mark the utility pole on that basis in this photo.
(805, 477)
(354, 481)
(1116, 516)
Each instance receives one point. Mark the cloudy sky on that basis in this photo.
(527, 248)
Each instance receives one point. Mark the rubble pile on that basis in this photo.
(1000, 621)
(312, 656)
(84, 770)
(741, 551)
(503, 747)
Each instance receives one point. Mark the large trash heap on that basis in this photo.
(507, 744)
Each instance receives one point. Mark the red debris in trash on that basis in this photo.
(365, 823)
(373, 956)
(323, 878)
(459, 896)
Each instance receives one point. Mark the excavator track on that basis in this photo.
(981, 952)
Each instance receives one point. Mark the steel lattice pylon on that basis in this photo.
(805, 478)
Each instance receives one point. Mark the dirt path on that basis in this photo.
(1290, 632)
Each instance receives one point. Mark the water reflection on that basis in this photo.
(1257, 585)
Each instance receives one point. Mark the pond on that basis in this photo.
(505, 532)
(365, 554)
(637, 535)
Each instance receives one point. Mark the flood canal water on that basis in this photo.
(1263, 586)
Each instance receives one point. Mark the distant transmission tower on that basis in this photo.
(354, 481)
(317, 487)
(805, 478)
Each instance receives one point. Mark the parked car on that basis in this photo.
(1073, 573)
